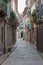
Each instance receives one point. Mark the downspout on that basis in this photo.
(12, 35)
(4, 36)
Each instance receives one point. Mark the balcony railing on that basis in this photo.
(6, 1)
(3, 6)
(12, 15)
(39, 12)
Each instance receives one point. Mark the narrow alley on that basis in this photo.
(24, 54)
(21, 32)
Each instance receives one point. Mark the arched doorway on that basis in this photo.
(22, 34)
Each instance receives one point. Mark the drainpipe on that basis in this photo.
(12, 35)
(30, 35)
(4, 36)
(37, 39)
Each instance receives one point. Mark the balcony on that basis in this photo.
(3, 6)
(6, 1)
(41, 10)
(13, 15)
(39, 13)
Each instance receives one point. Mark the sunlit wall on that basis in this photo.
(21, 5)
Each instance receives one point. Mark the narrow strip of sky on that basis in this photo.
(21, 5)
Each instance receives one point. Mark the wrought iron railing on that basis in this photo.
(3, 6)
(6, 1)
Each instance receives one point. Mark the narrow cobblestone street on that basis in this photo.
(24, 54)
(21, 32)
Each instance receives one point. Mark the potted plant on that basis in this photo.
(12, 15)
(33, 17)
(9, 47)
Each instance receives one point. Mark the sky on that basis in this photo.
(21, 5)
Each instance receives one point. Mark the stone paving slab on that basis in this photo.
(39, 52)
(24, 54)
(2, 58)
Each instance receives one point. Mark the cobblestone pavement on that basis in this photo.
(24, 54)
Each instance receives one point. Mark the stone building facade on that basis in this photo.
(7, 29)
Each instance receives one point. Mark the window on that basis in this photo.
(41, 1)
